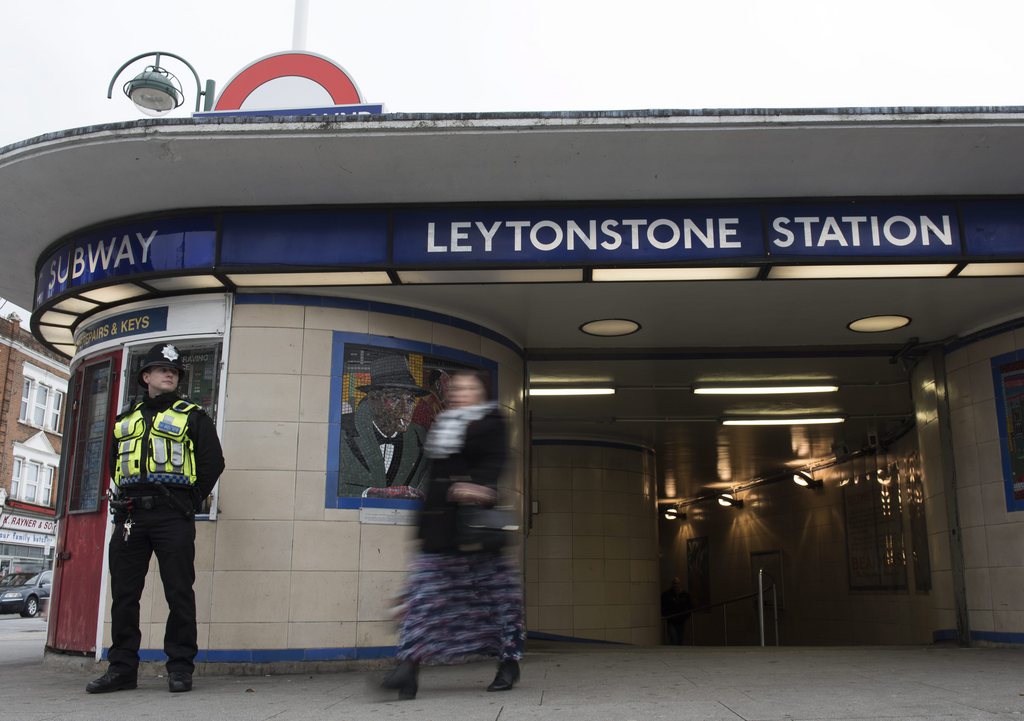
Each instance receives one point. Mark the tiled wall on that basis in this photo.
(992, 537)
(591, 556)
(278, 570)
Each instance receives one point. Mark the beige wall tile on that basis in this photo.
(1006, 544)
(312, 448)
(385, 548)
(587, 503)
(962, 421)
(203, 589)
(588, 593)
(397, 326)
(257, 597)
(252, 495)
(310, 495)
(552, 457)
(552, 479)
(617, 593)
(253, 545)
(317, 348)
(554, 546)
(260, 445)
(376, 633)
(993, 501)
(990, 462)
(555, 501)
(588, 547)
(248, 635)
(553, 569)
(266, 350)
(1011, 621)
(343, 515)
(591, 569)
(263, 397)
(314, 399)
(617, 570)
(340, 319)
(981, 621)
(966, 460)
(588, 617)
(554, 617)
(978, 588)
(986, 349)
(617, 616)
(325, 546)
(266, 316)
(969, 505)
(957, 359)
(552, 524)
(377, 593)
(451, 337)
(982, 388)
(554, 594)
(986, 425)
(323, 596)
(592, 634)
(206, 545)
(339, 634)
(619, 635)
(975, 547)
(958, 385)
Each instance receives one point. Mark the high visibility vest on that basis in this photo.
(161, 453)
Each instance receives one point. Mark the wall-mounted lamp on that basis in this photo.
(806, 480)
(727, 499)
(672, 514)
(156, 91)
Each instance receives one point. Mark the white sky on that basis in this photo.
(58, 56)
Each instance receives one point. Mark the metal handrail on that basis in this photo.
(758, 594)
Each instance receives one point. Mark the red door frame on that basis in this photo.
(80, 553)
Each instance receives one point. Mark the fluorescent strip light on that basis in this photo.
(656, 274)
(114, 293)
(762, 390)
(907, 270)
(989, 269)
(546, 275)
(75, 305)
(808, 421)
(572, 391)
(300, 280)
(185, 282)
(54, 318)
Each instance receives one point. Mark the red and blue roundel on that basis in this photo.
(289, 79)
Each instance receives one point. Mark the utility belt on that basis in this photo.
(123, 504)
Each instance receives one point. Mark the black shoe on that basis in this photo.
(111, 681)
(508, 674)
(403, 678)
(179, 681)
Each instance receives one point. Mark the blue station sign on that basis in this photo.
(612, 235)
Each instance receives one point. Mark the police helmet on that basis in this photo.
(161, 355)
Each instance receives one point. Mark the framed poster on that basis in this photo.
(385, 393)
(1008, 382)
(698, 571)
(874, 532)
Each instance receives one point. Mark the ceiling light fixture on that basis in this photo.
(727, 499)
(806, 480)
(762, 389)
(610, 327)
(566, 391)
(878, 323)
(783, 421)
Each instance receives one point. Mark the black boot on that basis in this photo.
(508, 674)
(403, 678)
(112, 681)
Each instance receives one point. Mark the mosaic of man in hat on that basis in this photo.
(380, 445)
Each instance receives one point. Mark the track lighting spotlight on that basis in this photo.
(727, 499)
(805, 479)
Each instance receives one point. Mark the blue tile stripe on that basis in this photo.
(949, 634)
(320, 301)
(276, 655)
(541, 636)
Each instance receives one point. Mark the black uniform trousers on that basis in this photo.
(167, 532)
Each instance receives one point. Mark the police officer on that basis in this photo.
(165, 460)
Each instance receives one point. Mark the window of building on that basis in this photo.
(42, 399)
(32, 482)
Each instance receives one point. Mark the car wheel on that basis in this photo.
(31, 609)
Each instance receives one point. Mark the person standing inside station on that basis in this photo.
(165, 460)
(676, 607)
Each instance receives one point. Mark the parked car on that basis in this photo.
(24, 592)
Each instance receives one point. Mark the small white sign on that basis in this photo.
(387, 516)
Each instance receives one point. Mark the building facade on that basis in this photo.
(31, 434)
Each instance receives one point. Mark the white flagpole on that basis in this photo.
(301, 22)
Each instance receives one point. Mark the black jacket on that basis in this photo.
(205, 444)
(481, 460)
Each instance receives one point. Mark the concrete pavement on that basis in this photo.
(570, 682)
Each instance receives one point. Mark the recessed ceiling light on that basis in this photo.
(610, 327)
(763, 389)
(878, 323)
(570, 391)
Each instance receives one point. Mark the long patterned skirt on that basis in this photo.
(462, 606)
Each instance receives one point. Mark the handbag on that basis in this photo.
(485, 529)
